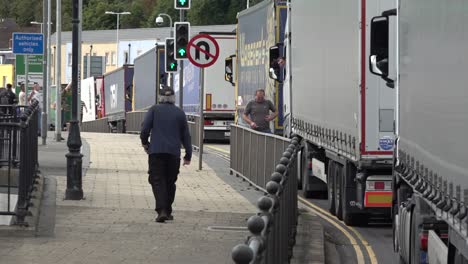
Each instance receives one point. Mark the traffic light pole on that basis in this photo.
(181, 73)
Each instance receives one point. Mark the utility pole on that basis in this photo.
(47, 88)
(58, 74)
(74, 157)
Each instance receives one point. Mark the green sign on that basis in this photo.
(34, 71)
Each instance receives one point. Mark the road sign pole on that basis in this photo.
(26, 72)
(202, 119)
(181, 70)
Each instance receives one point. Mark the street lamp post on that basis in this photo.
(159, 21)
(118, 23)
(38, 23)
(74, 189)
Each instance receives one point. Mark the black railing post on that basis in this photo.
(278, 216)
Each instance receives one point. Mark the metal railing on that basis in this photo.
(97, 126)
(134, 121)
(194, 128)
(18, 157)
(254, 154)
(273, 229)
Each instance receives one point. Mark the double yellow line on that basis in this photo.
(331, 219)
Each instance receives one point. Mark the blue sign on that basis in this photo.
(28, 43)
(386, 143)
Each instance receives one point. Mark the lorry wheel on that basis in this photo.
(338, 183)
(350, 219)
(415, 243)
(331, 186)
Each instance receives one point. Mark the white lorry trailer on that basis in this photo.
(430, 181)
(345, 114)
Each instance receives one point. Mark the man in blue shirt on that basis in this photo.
(167, 125)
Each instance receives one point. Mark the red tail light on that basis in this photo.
(379, 185)
(424, 240)
(209, 123)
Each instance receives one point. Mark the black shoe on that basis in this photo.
(170, 217)
(162, 217)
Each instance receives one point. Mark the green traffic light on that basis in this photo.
(182, 52)
(183, 2)
(172, 66)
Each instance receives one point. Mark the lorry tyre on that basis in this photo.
(350, 219)
(338, 194)
(331, 186)
(415, 243)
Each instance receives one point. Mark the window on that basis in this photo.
(107, 58)
(113, 58)
(69, 59)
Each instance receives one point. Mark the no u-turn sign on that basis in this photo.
(203, 50)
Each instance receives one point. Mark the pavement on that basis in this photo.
(114, 223)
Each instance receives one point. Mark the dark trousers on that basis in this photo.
(163, 171)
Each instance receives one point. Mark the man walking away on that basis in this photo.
(8, 97)
(168, 128)
(257, 112)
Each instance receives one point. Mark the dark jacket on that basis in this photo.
(168, 128)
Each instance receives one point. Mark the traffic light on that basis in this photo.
(182, 33)
(182, 4)
(171, 62)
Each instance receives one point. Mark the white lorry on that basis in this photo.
(430, 181)
(345, 114)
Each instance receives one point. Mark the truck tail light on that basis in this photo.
(423, 237)
(379, 185)
(209, 123)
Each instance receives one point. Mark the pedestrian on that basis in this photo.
(83, 105)
(36, 95)
(22, 95)
(167, 126)
(8, 97)
(257, 112)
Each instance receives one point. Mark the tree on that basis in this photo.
(24, 12)
(136, 19)
(208, 12)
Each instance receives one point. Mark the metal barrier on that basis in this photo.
(194, 128)
(98, 126)
(273, 229)
(134, 121)
(253, 154)
(18, 156)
